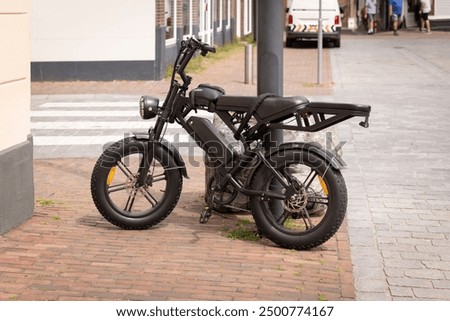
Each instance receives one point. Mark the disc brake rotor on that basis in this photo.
(298, 201)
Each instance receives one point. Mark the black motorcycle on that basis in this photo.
(296, 192)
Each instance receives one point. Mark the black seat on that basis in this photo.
(274, 107)
(271, 107)
(206, 95)
(235, 103)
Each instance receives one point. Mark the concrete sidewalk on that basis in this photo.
(398, 175)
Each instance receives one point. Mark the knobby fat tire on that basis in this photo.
(333, 217)
(100, 173)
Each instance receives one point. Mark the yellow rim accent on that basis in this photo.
(111, 176)
(324, 186)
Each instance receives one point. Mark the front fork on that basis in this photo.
(144, 166)
(147, 159)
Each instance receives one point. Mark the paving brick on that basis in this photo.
(410, 282)
(395, 234)
(414, 241)
(372, 296)
(438, 265)
(441, 284)
(423, 256)
(424, 274)
(410, 228)
(398, 247)
(432, 294)
(406, 264)
(402, 292)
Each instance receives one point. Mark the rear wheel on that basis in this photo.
(315, 206)
(116, 195)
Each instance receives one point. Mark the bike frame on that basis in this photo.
(177, 107)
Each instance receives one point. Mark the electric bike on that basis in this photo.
(297, 194)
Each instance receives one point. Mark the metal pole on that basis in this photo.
(248, 64)
(270, 64)
(270, 56)
(319, 46)
(270, 47)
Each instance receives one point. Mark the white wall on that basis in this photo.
(93, 30)
(15, 72)
(442, 9)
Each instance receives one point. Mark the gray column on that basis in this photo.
(269, 24)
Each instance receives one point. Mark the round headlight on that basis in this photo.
(148, 107)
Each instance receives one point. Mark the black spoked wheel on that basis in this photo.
(316, 203)
(114, 191)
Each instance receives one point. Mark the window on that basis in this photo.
(187, 17)
(170, 18)
(228, 26)
(247, 17)
(218, 5)
(206, 20)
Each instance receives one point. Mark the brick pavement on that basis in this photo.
(67, 251)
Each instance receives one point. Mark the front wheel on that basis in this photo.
(123, 202)
(316, 203)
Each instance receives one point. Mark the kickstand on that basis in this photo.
(206, 214)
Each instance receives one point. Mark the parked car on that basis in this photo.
(303, 21)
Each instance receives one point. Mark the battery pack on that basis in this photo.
(211, 140)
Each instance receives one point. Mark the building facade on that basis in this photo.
(119, 39)
(16, 147)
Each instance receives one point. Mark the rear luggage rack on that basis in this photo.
(312, 117)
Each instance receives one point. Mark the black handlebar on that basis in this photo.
(202, 46)
(206, 49)
(187, 51)
(210, 49)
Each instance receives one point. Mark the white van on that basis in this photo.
(303, 21)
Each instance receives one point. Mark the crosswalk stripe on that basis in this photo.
(63, 125)
(96, 113)
(95, 140)
(74, 140)
(90, 104)
(84, 113)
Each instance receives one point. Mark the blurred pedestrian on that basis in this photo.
(371, 11)
(425, 7)
(395, 12)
